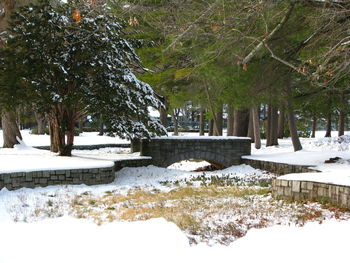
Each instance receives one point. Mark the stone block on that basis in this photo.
(48, 173)
(309, 185)
(303, 185)
(296, 186)
(37, 173)
(76, 181)
(322, 192)
(284, 183)
(287, 191)
(29, 177)
(13, 175)
(43, 181)
(346, 190)
(60, 172)
(280, 191)
(6, 178)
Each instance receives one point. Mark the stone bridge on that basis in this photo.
(219, 151)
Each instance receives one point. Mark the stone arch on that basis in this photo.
(223, 151)
(217, 160)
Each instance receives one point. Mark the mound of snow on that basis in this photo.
(341, 143)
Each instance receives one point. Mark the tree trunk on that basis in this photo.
(81, 124)
(314, 127)
(163, 116)
(53, 137)
(269, 126)
(329, 125)
(9, 124)
(101, 126)
(10, 129)
(230, 122)
(291, 120)
(175, 117)
(211, 127)
(341, 128)
(272, 126)
(241, 122)
(293, 129)
(40, 120)
(256, 127)
(62, 122)
(201, 123)
(281, 121)
(71, 120)
(135, 145)
(251, 128)
(218, 122)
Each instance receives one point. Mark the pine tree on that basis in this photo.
(73, 59)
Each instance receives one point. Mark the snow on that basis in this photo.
(75, 240)
(314, 154)
(153, 112)
(158, 178)
(339, 176)
(201, 137)
(34, 231)
(28, 160)
(85, 138)
(82, 241)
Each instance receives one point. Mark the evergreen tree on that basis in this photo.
(73, 59)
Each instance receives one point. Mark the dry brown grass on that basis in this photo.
(205, 214)
(179, 206)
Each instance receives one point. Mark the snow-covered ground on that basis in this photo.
(81, 224)
(315, 153)
(85, 138)
(75, 240)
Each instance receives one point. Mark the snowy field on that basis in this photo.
(85, 138)
(152, 214)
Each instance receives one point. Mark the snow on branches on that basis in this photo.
(74, 59)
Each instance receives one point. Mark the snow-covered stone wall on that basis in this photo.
(33, 179)
(222, 151)
(132, 162)
(301, 190)
(278, 168)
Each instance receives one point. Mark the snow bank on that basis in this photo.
(76, 240)
(27, 159)
(191, 137)
(72, 240)
(342, 177)
(157, 177)
(85, 138)
(341, 143)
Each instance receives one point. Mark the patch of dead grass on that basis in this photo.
(205, 214)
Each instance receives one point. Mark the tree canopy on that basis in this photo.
(71, 58)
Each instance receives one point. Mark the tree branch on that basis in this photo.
(285, 18)
(283, 61)
(204, 14)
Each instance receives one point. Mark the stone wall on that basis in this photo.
(219, 151)
(278, 168)
(134, 162)
(301, 190)
(93, 176)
